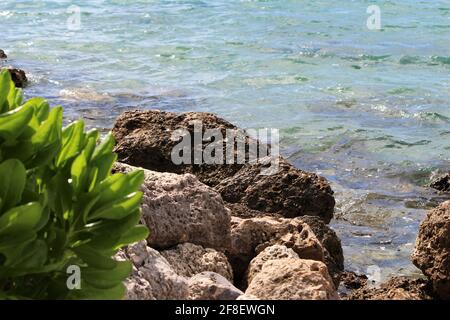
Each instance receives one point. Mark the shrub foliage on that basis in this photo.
(59, 204)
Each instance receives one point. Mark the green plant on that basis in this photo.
(59, 204)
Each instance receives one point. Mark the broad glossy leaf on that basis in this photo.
(12, 183)
(14, 122)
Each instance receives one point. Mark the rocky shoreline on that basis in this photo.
(226, 232)
(273, 238)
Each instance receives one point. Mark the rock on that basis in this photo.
(153, 278)
(275, 252)
(432, 251)
(333, 253)
(247, 297)
(442, 183)
(212, 286)
(3, 54)
(18, 77)
(290, 192)
(398, 288)
(179, 209)
(293, 279)
(189, 259)
(251, 236)
(144, 138)
(353, 281)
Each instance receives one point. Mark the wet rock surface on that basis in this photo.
(3, 54)
(398, 288)
(442, 183)
(432, 251)
(19, 77)
(212, 286)
(352, 280)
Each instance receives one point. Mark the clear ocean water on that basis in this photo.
(368, 109)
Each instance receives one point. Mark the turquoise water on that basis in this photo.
(367, 109)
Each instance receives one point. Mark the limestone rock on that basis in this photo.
(270, 253)
(153, 277)
(251, 236)
(293, 279)
(179, 209)
(188, 260)
(212, 286)
(432, 251)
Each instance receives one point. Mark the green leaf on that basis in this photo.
(13, 123)
(12, 183)
(21, 218)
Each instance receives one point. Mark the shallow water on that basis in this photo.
(369, 110)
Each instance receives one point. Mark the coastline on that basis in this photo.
(271, 206)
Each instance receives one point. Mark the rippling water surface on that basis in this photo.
(367, 109)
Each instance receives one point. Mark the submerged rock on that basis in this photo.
(3, 54)
(442, 184)
(189, 259)
(292, 279)
(212, 286)
(432, 251)
(179, 209)
(398, 288)
(144, 138)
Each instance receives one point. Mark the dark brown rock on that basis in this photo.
(352, 280)
(442, 183)
(333, 254)
(144, 138)
(290, 192)
(3, 54)
(432, 251)
(398, 288)
(18, 77)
